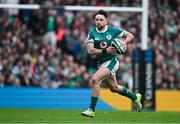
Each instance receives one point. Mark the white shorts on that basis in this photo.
(112, 65)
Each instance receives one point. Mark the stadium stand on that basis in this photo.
(46, 48)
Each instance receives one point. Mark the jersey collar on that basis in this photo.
(106, 27)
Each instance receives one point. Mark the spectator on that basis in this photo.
(45, 48)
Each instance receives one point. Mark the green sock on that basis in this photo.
(93, 102)
(128, 94)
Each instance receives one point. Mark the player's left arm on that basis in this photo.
(128, 37)
(125, 37)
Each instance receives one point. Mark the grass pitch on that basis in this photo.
(73, 116)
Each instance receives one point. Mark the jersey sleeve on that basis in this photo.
(119, 32)
(90, 38)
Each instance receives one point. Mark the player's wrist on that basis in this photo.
(104, 51)
(125, 42)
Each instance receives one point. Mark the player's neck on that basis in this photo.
(104, 29)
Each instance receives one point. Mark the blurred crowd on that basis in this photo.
(46, 47)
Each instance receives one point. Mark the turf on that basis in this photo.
(73, 116)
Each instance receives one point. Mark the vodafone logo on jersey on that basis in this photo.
(103, 44)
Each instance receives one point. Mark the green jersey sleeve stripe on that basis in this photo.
(121, 34)
(90, 41)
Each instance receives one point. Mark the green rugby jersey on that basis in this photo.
(103, 39)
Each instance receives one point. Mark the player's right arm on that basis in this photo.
(90, 45)
(94, 51)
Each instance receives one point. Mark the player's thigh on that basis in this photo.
(112, 65)
(101, 74)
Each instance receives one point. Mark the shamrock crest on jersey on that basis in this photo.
(108, 37)
(103, 39)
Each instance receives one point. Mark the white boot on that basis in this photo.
(89, 113)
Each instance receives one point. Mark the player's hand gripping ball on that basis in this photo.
(119, 45)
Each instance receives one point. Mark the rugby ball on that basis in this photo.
(119, 45)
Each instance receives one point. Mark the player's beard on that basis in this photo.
(100, 27)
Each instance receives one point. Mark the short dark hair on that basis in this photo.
(101, 12)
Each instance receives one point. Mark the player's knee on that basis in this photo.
(94, 80)
(91, 83)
